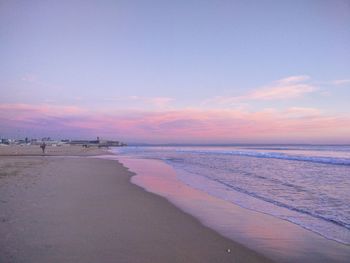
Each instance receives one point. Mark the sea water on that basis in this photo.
(306, 184)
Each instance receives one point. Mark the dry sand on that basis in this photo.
(80, 209)
(64, 150)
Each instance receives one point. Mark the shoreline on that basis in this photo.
(77, 210)
(284, 242)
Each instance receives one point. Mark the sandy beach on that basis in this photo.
(62, 208)
(174, 131)
(64, 150)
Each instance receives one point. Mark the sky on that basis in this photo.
(176, 71)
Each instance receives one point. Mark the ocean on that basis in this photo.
(308, 185)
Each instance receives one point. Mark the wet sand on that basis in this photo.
(275, 238)
(79, 209)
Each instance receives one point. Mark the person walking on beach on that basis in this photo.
(43, 146)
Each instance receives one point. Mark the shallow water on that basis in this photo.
(306, 185)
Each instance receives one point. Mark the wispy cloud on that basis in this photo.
(46, 109)
(294, 79)
(26, 112)
(340, 82)
(160, 102)
(30, 77)
(140, 102)
(286, 88)
(302, 112)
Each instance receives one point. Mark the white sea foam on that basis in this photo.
(307, 185)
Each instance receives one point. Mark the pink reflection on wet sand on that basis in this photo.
(276, 238)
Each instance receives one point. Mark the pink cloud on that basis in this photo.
(187, 125)
(160, 102)
(302, 112)
(27, 111)
(281, 90)
(286, 88)
(142, 102)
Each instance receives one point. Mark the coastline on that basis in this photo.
(278, 239)
(65, 209)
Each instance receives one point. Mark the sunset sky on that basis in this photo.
(176, 71)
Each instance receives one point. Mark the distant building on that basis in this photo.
(98, 142)
(79, 142)
(5, 141)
